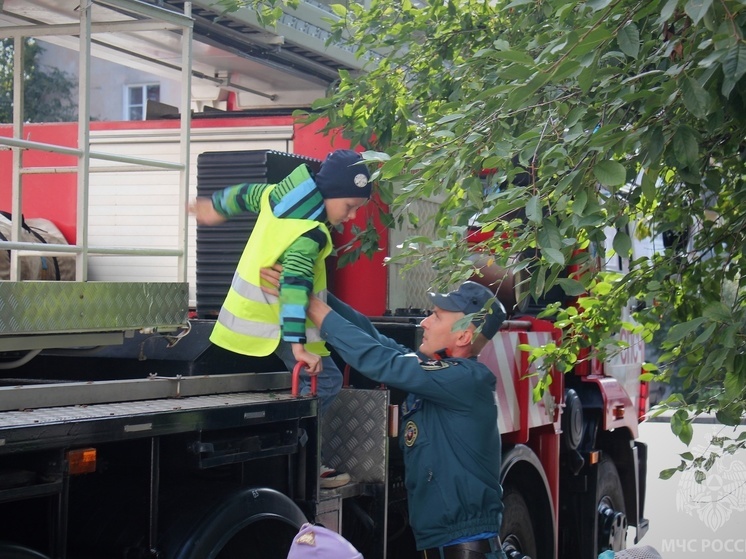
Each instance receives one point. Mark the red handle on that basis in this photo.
(295, 379)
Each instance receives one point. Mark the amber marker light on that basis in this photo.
(594, 456)
(81, 461)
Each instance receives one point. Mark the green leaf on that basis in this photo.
(718, 311)
(629, 40)
(728, 416)
(513, 56)
(392, 168)
(677, 420)
(696, 99)
(548, 235)
(592, 41)
(668, 10)
(668, 473)
(597, 5)
(733, 385)
(516, 3)
(449, 118)
(339, 10)
(686, 433)
(571, 287)
(686, 146)
(554, 256)
(705, 336)
(533, 209)
(696, 9)
(734, 67)
(610, 173)
(602, 288)
(622, 244)
(680, 331)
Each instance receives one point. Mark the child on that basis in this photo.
(290, 229)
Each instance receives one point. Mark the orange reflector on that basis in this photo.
(618, 412)
(594, 456)
(81, 461)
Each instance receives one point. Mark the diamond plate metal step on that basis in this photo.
(38, 307)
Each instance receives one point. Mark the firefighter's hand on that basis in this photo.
(312, 361)
(203, 210)
(272, 277)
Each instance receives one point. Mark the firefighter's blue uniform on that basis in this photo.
(448, 430)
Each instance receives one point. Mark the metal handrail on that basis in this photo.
(45, 249)
(64, 150)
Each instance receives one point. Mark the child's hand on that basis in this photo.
(312, 361)
(203, 210)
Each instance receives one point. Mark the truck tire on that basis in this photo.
(248, 524)
(526, 531)
(612, 519)
(517, 531)
(13, 551)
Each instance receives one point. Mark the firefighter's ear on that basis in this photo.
(465, 337)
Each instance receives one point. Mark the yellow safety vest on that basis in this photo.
(249, 320)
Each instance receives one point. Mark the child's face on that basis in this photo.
(341, 210)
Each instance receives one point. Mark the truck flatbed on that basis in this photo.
(53, 427)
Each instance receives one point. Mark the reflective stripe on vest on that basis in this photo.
(261, 329)
(249, 320)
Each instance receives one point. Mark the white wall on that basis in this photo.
(141, 210)
(108, 81)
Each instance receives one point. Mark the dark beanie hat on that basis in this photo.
(343, 176)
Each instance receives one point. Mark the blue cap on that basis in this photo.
(471, 298)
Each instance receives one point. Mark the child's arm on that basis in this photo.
(229, 202)
(296, 284)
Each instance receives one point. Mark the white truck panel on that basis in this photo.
(121, 204)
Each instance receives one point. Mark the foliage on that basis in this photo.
(626, 116)
(48, 92)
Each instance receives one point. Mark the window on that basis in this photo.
(136, 99)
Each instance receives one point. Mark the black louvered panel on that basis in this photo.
(219, 247)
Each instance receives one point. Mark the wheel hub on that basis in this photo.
(612, 526)
(512, 548)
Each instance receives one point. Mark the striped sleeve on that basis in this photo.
(296, 283)
(238, 199)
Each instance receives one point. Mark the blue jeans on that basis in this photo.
(329, 380)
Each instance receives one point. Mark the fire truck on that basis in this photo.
(125, 433)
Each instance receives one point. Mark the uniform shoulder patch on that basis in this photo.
(434, 365)
(410, 433)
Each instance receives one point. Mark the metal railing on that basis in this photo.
(161, 19)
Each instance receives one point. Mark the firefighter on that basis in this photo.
(448, 429)
(448, 432)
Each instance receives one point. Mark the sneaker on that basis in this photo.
(331, 478)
